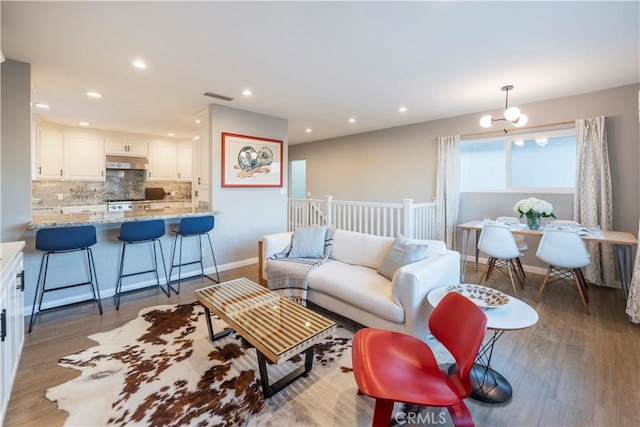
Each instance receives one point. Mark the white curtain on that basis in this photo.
(633, 299)
(448, 188)
(592, 203)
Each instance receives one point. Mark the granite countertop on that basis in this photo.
(51, 220)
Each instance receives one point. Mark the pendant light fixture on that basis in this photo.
(511, 114)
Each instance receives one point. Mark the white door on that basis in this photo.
(298, 179)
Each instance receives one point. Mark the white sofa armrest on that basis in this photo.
(412, 283)
(271, 244)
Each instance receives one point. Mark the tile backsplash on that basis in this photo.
(119, 184)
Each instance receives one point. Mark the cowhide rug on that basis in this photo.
(160, 369)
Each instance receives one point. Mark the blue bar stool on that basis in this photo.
(132, 233)
(59, 241)
(192, 227)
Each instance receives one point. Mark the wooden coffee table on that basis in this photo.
(278, 328)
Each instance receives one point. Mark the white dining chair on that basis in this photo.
(566, 254)
(520, 239)
(497, 241)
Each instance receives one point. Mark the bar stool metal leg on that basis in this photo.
(136, 233)
(192, 227)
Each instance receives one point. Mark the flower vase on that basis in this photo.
(533, 222)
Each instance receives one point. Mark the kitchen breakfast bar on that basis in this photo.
(72, 267)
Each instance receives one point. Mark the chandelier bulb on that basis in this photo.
(521, 120)
(512, 113)
(486, 121)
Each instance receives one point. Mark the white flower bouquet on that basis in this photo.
(533, 207)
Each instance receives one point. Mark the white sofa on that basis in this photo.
(348, 283)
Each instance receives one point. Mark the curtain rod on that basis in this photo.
(518, 130)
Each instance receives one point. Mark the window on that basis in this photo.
(540, 161)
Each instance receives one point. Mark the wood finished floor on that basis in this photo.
(569, 369)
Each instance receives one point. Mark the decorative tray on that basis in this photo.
(484, 297)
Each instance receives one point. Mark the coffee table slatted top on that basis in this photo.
(275, 326)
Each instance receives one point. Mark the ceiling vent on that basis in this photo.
(215, 95)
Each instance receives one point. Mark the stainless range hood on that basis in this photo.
(125, 162)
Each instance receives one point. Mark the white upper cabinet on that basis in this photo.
(163, 161)
(201, 162)
(185, 160)
(69, 155)
(126, 147)
(84, 157)
(50, 154)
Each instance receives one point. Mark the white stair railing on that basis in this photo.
(413, 220)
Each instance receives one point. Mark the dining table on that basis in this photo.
(623, 242)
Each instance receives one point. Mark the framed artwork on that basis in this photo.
(249, 161)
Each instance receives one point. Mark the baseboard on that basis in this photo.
(108, 293)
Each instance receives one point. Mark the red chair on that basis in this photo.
(394, 367)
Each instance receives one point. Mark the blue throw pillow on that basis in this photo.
(308, 242)
(399, 254)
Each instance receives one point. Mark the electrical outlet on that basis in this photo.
(173, 194)
(60, 196)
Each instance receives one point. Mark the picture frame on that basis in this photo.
(250, 161)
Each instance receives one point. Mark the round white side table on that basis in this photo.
(489, 385)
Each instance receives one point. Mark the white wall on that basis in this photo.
(247, 213)
(392, 164)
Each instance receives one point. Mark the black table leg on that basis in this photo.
(270, 389)
(212, 335)
(487, 385)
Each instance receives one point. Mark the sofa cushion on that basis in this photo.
(308, 242)
(434, 247)
(401, 252)
(359, 248)
(359, 286)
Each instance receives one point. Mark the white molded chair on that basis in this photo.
(497, 241)
(520, 239)
(566, 254)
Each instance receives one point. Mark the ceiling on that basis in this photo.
(316, 64)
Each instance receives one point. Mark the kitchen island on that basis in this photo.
(50, 219)
(70, 268)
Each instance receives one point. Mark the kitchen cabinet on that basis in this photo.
(84, 158)
(185, 161)
(163, 161)
(72, 156)
(11, 319)
(166, 205)
(201, 188)
(50, 154)
(126, 147)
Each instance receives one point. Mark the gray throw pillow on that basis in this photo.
(399, 254)
(308, 242)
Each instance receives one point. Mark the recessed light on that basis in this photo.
(402, 109)
(198, 121)
(94, 94)
(171, 134)
(246, 92)
(352, 120)
(83, 124)
(195, 139)
(43, 106)
(307, 130)
(139, 64)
